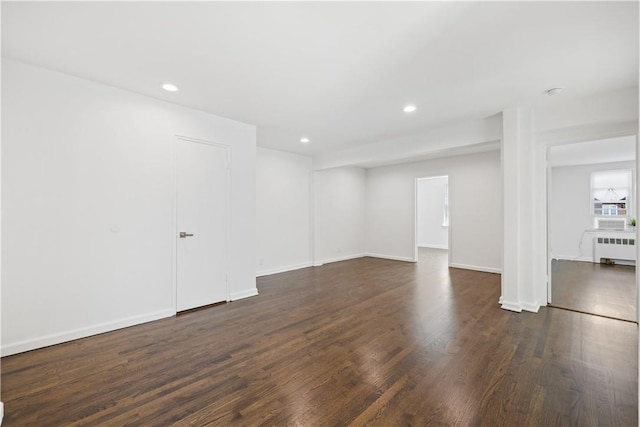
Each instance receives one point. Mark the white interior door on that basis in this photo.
(201, 220)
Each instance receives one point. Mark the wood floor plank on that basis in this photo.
(606, 290)
(360, 342)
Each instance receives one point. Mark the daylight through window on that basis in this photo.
(611, 194)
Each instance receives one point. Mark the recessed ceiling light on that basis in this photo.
(554, 91)
(169, 87)
(409, 108)
(304, 140)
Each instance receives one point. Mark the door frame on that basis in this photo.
(415, 216)
(548, 201)
(548, 188)
(174, 202)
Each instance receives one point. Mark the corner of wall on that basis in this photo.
(476, 268)
(339, 258)
(235, 296)
(283, 269)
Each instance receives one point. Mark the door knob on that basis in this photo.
(184, 234)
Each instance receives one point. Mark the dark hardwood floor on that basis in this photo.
(605, 290)
(360, 342)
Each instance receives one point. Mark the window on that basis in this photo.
(611, 194)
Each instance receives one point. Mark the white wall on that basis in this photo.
(87, 205)
(475, 195)
(471, 135)
(570, 209)
(430, 194)
(340, 214)
(283, 211)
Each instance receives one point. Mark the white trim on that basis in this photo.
(416, 184)
(308, 264)
(571, 258)
(174, 222)
(519, 306)
(547, 200)
(534, 308)
(312, 212)
(243, 294)
(433, 246)
(283, 269)
(58, 338)
(391, 257)
(449, 239)
(340, 258)
(511, 306)
(432, 177)
(476, 268)
(1, 412)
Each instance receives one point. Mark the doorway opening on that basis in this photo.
(432, 231)
(592, 237)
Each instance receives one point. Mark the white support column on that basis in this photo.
(518, 156)
(1, 404)
(540, 234)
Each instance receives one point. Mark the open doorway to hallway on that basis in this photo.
(432, 213)
(592, 235)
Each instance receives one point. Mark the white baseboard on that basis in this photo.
(235, 296)
(476, 268)
(47, 340)
(573, 258)
(1, 412)
(518, 306)
(391, 257)
(511, 306)
(584, 259)
(318, 263)
(426, 245)
(338, 259)
(534, 308)
(283, 269)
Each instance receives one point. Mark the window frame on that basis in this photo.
(612, 206)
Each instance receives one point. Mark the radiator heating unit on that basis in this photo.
(611, 250)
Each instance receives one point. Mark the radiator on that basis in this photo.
(614, 248)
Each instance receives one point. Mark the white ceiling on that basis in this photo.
(337, 72)
(622, 149)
